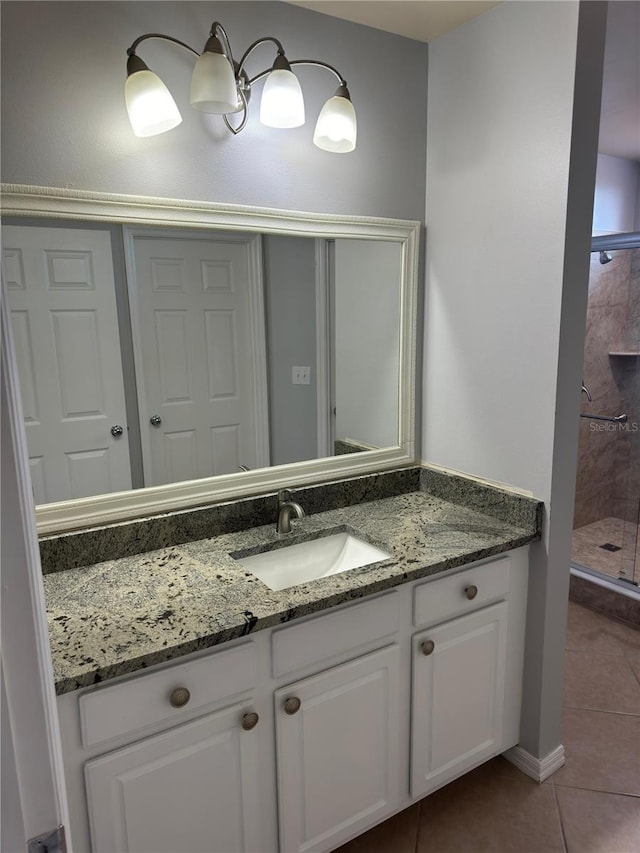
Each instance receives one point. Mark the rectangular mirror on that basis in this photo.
(172, 354)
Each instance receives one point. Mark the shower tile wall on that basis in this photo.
(608, 483)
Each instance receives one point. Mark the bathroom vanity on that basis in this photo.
(290, 720)
(199, 709)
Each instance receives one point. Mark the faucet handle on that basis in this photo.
(284, 496)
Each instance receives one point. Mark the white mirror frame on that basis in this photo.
(49, 202)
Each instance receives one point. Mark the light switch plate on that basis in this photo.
(301, 375)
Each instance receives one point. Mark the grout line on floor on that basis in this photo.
(559, 813)
(598, 791)
(601, 711)
(635, 674)
(415, 849)
(592, 652)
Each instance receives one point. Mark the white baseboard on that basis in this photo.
(537, 768)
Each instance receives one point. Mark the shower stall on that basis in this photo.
(606, 545)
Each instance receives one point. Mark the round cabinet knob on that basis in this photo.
(155, 420)
(179, 697)
(291, 705)
(116, 431)
(427, 647)
(471, 592)
(250, 721)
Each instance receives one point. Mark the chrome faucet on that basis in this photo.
(586, 391)
(286, 506)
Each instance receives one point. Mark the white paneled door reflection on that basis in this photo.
(200, 362)
(61, 291)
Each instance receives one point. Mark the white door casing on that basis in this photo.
(200, 351)
(31, 745)
(61, 292)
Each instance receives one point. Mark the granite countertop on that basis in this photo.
(124, 615)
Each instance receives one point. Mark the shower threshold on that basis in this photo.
(609, 596)
(621, 586)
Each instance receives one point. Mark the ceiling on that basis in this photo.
(426, 20)
(423, 20)
(620, 112)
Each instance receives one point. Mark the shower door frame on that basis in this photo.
(604, 243)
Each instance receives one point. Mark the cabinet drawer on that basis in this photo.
(438, 600)
(334, 633)
(125, 708)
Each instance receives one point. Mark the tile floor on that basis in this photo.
(586, 548)
(591, 805)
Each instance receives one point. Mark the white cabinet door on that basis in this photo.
(337, 753)
(200, 356)
(458, 696)
(192, 789)
(61, 292)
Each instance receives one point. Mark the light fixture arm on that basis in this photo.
(245, 115)
(131, 51)
(319, 64)
(257, 43)
(216, 27)
(292, 62)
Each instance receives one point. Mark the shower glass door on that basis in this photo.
(607, 507)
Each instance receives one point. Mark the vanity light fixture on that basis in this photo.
(220, 85)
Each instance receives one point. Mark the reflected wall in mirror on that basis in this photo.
(228, 348)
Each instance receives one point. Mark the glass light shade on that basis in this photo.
(213, 85)
(336, 128)
(282, 104)
(150, 105)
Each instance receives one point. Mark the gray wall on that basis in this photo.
(290, 304)
(617, 201)
(511, 172)
(64, 122)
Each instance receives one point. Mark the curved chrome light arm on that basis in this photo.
(292, 62)
(131, 51)
(319, 64)
(254, 45)
(216, 27)
(245, 115)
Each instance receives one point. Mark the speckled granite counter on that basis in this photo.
(123, 615)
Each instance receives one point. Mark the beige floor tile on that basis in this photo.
(499, 766)
(591, 632)
(397, 834)
(486, 811)
(633, 658)
(595, 822)
(602, 752)
(600, 682)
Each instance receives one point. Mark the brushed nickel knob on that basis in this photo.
(250, 721)
(427, 647)
(291, 705)
(471, 592)
(155, 420)
(179, 697)
(116, 431)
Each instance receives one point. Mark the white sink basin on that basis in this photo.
(292, 565)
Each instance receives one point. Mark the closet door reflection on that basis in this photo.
(200, 366)
(60, 285)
